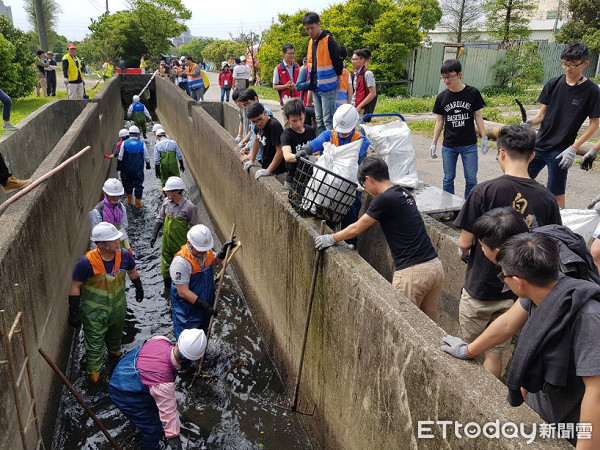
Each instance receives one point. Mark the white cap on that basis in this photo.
(345, 118)
(136, 98)
(174, 184)
(156, 126)
(123, 133)
(161, 132)
(134, 130)
(192, 344)
(200, 237)
(105, 232)
(242, 58)
(113, 187)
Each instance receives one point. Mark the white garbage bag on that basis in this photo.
(327, 191)
(581, 221)
(393, 143)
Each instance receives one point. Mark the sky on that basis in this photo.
(211, 19)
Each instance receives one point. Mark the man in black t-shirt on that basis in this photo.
(482, 298)
(458, 108)
(268, 140)
(419, 274)
(566, 102)
(294, 137)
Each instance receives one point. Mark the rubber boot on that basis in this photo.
(138, 203)
(129, 198)
(94, 377)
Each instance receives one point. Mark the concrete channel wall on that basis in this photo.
(373, 363)
(43, 235)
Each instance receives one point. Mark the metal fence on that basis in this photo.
(423, 66)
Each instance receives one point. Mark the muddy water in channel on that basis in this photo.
(235, 412)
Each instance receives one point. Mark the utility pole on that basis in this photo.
(41, 25)
(107, 12)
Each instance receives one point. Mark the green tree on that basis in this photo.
(17, 77)
(430, 12)
(221, 50)
(460, 18)
(584, 24)
(51, 11)
(115, 36)
(158, 21)
(508, 19)
(522, 66)
(195, 48)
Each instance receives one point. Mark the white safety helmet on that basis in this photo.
(345, 118)
(136, 98)
(123, 133)
(201, 238)
(242, 58)
(134, 130)
(156, 126)
(192, 344)
(174, 184)
(105, 232)
(161, 132)
(113, 187)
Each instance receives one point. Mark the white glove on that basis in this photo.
(323, 241)
(238, 139)
(567, 158)
(262, 173)
(241, 144)
(456, 347)
(595, 204)
(433, 150)
(247, 165)
(588, 160)
(485, 145)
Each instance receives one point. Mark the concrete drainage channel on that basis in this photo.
(236, 411)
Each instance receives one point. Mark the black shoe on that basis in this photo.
(167, 282)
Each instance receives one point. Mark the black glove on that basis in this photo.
(175, 443)
(223, 252)
(155, 230)
(147, 166)
(304, 151)
(205, 307)
(74, 311)
(157, 171)
(181, 167)
(118, 165)
(139, 290)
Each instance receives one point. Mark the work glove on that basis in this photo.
(181, 166)
(157, 171)
(205, 307)
(304, 152)
(433, 150)
(595, 204)
(588, 159)
(567, 158)
(241, 144)
(238, 138)
(108, 156)
(139, 290)
(323, 241)
(74, 311)
(175, 443)
(147, 166)
(155, 230)
(223, 252)
(529, 122)
(485, 145)
(456, 347)
(464, 257)
(247, 165)
(262, 173)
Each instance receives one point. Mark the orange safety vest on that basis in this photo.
(326, 76)
(194, 82)
(335, 139)
(97, 262)
(196, 267)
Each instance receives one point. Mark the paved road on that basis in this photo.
(582, 186)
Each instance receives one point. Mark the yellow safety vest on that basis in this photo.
(142, 64)
(73, 71)
(108, 71)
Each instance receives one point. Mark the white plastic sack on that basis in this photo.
(581, 221)
(328, 191)
(393, 143)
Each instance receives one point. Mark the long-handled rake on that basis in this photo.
(295, 405)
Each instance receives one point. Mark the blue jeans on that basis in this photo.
(468, 154)
(324, 109)
(225, 94)
(6, 105)
(557, 177)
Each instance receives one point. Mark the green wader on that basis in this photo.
(174, 237)
(169, 167)
(103, 307)
(139, 119)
